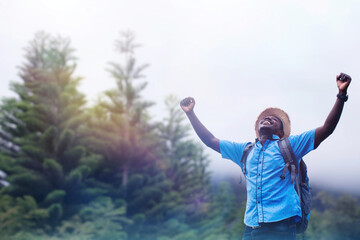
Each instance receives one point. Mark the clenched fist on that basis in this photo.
(187, 104)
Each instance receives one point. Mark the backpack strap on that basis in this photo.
(289, 158)
(301, 182)
(245, 154)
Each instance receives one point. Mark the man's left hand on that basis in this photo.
(343, 86)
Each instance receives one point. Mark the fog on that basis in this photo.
(234, 57)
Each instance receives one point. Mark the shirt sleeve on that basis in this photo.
(303, 143)
(232, 151)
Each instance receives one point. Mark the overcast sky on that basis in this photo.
(235, 57)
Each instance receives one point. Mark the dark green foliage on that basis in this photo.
(55, 212)
(20, 214)
(335, 218)
(178, 199)
(45, 154)
(101, 219)
(56, 196)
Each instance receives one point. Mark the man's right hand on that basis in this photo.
(187, 104)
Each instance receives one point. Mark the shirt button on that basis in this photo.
(259, 162)
(259, 174)
(258, 201)
(258, 187)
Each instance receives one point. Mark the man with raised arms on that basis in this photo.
(273, 206)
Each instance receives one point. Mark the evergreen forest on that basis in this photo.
(109, 171)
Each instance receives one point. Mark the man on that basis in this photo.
(273, 206)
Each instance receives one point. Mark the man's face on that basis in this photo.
(271, 125)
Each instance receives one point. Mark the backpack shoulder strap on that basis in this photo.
(245, 154)
(289, 158)
(301, 183)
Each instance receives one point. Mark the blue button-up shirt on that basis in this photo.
(269, 198)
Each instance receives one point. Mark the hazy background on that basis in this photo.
(235, 57)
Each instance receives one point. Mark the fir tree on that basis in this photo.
(124, 135)
(121, 118)
(185, 165)
(51, 174)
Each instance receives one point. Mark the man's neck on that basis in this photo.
(265, 134)
(263, 138)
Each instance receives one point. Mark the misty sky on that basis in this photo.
(235, 57)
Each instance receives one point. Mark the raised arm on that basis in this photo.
(205, 135)
(321, 133)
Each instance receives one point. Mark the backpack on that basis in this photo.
(301, 183)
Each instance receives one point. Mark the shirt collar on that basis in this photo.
(274, 137)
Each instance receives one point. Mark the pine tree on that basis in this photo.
(123, 134)
(51, 174)
(121, 117)
(187, 202)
